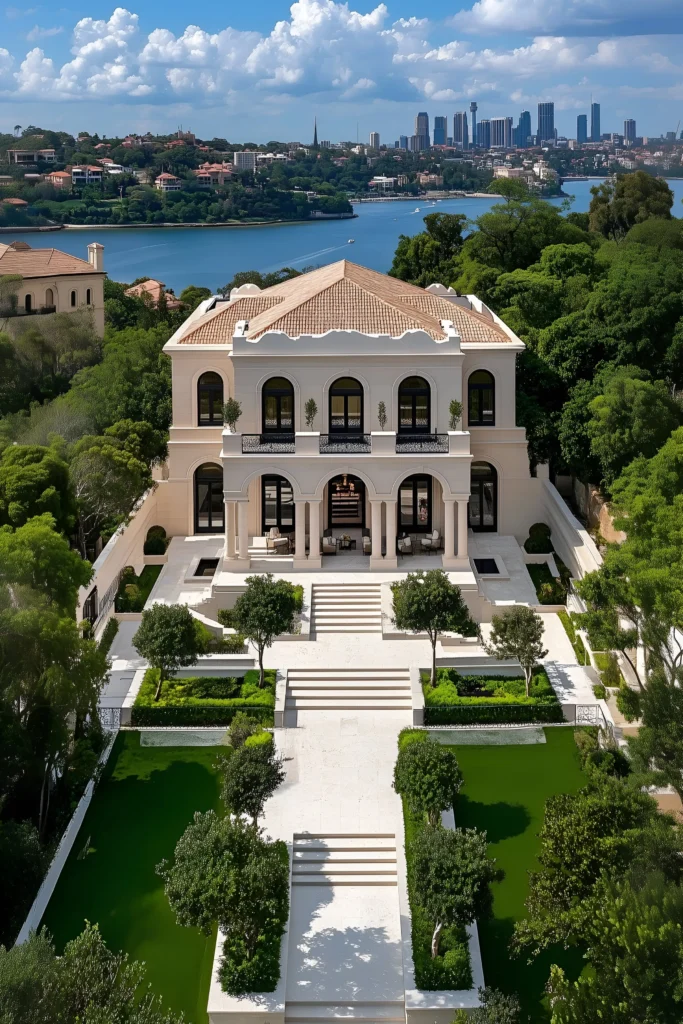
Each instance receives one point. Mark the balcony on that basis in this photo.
(428, 444)
(268, 444)
(345, 444)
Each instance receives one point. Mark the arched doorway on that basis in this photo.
(209, 507)
(277, 410)
(415, 504)
(210, 399)
(346, 501)
(414, 406)
(483, 506)
(346, 406)
(277, 504)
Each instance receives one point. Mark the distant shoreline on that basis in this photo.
(13, 230)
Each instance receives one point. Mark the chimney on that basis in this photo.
(95, 257)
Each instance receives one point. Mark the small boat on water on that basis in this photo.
(351, 241)
(417, 209)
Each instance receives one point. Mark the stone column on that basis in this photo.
(376, 530)
(299, 533)
(390, 559)
(229, 530)
(449, 528)
(243, 530)
(314, 557)
(462, 527)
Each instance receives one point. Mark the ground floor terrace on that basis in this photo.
(423, 515)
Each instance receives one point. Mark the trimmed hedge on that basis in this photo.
(134, 590)
(577, 643)
(452, 968)
(495, 700)
(108, 634)
(204, 700)
(549, 589)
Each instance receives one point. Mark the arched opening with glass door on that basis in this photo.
(209, 507)
(481, 399)
(345, 501)
(415, 500)
(414, 406)
(346, 406)
(277, 504)
(483, 505)
(210, 400)
(277, 406)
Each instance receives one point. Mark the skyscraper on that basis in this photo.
(484, 134)
(629, 130)
(440, 131)
(501, 133)
(523, 129)
(546, 121)
(315, 133)
(581, 129)
(403, 142)
(374, 140)
(473, 121)
(460, 133)
(595, 122)
(422, 127)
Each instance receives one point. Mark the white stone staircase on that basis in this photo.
(347, 608)
(348, 689)
(343, 859)
(385, 1011)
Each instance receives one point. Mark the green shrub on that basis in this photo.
(538, 541)
(239, 973)
(599, 692)
(155, 546)
(298, 597)
(611, 675)
(586, 739)
(204, 700)
(156, 532)
(469, 700)
(226, 617)
(108, 634)
(549, 589)
(241, 728)
(408, 736)
(262, 738)
(134, 590)
(234, 643)
(575, 640)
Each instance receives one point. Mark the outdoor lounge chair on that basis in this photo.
(276, 542)
(367, 542)
(329, 543)
(432, 542)
(404, 545)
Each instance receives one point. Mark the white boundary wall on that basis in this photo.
(35, 914)
(570, 539)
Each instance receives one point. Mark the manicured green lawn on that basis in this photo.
(138, 813)
(504, 793)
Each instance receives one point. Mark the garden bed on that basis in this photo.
(549, 589)
(480, 700)
(577, 643)
(134, 590)
(140, 809)
(204, 700)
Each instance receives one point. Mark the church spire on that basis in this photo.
(315, 133)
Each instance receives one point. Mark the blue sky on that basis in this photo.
(262, 71)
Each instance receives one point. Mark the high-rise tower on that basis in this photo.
(581, 129)
(546, 121)
(315, 133)
(523, 129)
(422, 128)
(473, 122)
(460, 132)
(629, 130)
(440, 131)
(595, 122)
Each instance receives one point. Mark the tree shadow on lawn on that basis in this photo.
(500, 820)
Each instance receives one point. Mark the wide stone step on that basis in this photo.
(350, 694)
(312, 1012)
(331, 880)
(336, 685)
(333, 673)
(354, 704)
(334, 628)
(348, 857)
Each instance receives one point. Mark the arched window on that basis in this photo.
(72, 299)
(28, 303)
(346, 406)
(414, 412)
(88, 297)
(481, 399)
(277, 399)
(415, 504)
(483, 507)
(277, 504)
(209, 508)
(210, 400)
(49, 298)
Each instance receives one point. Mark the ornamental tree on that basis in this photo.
(428, 776)
(264, 611)
(495, 1008)
(517, 633)
(657, 750)
(250, 777)
(427, 602)
(169, 639)
(452, 874)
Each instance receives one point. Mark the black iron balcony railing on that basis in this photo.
(430, 444)
(349, 444)
(268, 444)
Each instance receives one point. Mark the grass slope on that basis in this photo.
(140, 809)
(504, 793)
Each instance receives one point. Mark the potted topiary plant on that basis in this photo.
(455, 413)
(232, 410)
(310, 412)
(382, 415)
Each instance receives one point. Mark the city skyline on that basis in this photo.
(261, 72)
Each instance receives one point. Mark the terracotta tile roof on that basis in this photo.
(41, 262)
(345, 297)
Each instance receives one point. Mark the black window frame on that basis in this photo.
(359, 486)
(478, 483)
(215, 484)
(416, 527)
(268, 480)
(278, 393)
(346, 393)
(214, 392)
(414, 393)
(480, 388)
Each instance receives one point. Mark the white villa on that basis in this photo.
(378, 470)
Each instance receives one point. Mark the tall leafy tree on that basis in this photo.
(428, 776)
(249, 777)
(34, 480)
(427, 258)
(263, 612)
(169, 638)
(629, 199)
(518, 633)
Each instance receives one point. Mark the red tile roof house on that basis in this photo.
(59, 179)
(168, 182)
(154, 289)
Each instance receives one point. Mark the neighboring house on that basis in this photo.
(59, 179)
(166, 182)
(53, 282)
(213, 174)
(348, 338)
(87, 174)
(154, 289)
(30, 156)
(435, 180)
(15, 202)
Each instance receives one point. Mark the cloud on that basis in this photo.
(43, 33)
(581, 16)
